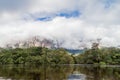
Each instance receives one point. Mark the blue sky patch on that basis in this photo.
(68, 14)
(108, 3)
(44, 19)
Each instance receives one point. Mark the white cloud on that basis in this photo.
(95, 21)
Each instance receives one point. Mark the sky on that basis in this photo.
(70, 21)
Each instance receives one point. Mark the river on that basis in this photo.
(59, 72)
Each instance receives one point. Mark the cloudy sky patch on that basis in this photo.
(68, 20)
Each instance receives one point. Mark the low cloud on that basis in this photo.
(94, 21)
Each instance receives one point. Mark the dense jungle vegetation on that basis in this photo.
(99, 56)
(36, 55)
(39, 55)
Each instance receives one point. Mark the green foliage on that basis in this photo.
(35, 55)
(99, 56)
(38, 55)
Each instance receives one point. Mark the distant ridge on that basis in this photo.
(38, 41)
(75, 51)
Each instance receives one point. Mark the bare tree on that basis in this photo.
(9, 46)
(16, 45)
(95, 45)
(59, 43)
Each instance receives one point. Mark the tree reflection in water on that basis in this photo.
(58, 72)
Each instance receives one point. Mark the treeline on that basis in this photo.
(99, 56)
(35, 55)
(39, 55)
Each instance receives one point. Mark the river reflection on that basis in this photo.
(59, 72)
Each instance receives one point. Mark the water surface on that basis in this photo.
(58, 72)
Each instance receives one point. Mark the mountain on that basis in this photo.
(37, 41)
(75, 51)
